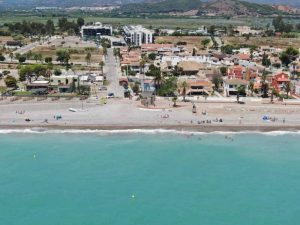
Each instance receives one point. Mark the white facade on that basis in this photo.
(199, 59)
(138, 35)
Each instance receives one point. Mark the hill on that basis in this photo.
(235, 8)
(161, 6)
(216, 7)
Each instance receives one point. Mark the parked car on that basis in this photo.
(110, 95)
(103, 88)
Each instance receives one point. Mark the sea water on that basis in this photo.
(152, 178)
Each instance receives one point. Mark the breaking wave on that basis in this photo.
(139, 131)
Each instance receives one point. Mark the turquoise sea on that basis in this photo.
(149, 179)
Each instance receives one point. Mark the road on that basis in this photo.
(112, 70)
(218, 41)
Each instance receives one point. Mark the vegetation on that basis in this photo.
(289, 55)
(184, 86)
(35, 70)
(159, 7)
(10, 81)
(63, 56)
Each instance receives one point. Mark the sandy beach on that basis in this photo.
(120, 114)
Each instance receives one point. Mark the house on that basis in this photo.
(198, 87)
(38, 86)
(235, 71)
(64, 83)
(231, 86)
(14, 44)
(279, 80)
(190, 67)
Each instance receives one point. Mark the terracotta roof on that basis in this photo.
(236, 82)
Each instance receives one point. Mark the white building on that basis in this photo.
(138, 35)
(96, 30)
(211, 61)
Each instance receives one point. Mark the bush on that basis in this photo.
(10, 81)
(57, 72)
(2, 58)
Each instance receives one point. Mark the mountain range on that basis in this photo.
(16, 4)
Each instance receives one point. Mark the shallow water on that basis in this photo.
(97, 178)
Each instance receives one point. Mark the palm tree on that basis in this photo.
(288, 88)
(142, 65)
(88, 58)
(184, 86)
(48, 73)
(264, 84)
(158, 80)
(251, 87)
(101, 64)
(11, 56)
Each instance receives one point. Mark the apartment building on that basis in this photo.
(137, 35)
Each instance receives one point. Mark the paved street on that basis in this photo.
(112, 70)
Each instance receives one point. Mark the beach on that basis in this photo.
(121, 114)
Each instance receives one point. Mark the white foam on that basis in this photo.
(38, 130)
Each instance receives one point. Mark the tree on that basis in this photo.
(281, 26)
(251, 86)
(142, 65)
(265, 60)
(227, 49)
(22, 59)
(223, 70)
(35, 57)
(205, 42)
(136, 88)
(63, 57)
(50, 28)
(184, 86)
(152, 56)
(168, 86)
(212, 30)
(288, 88)
(48, 60)
(88, 58)
(80, 22)
(217, 81)
(10, 81)
(289, 55)
(11, 56)
(32, 70)
(2, 58)
(57, 72)
(101, 64)
(264, 85)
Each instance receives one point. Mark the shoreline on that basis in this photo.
(166, 128)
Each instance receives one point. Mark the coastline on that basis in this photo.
(165, 128)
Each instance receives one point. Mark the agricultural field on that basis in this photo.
(193, 41)
(264, 41)
(155, 21)
(74, 45)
